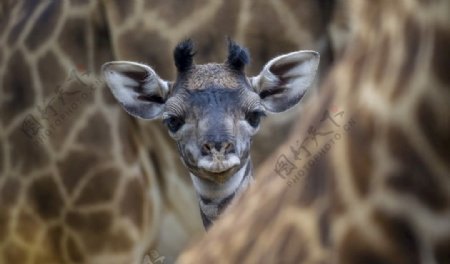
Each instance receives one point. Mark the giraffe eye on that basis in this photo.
(173, 123)
(254, 117)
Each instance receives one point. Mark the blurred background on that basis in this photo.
(80, 180)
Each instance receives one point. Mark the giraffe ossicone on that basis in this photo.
(212, 111)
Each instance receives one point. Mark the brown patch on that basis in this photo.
(313, 16)
(426, 3)
(9, 192)
(360, 143)
(26, 153)
(89, 222)
(51, 74)
(102, 40)
(74, 168)
(53, 242)
(44, 197)
(124, 10)
(289, 246)
(46, 256)
(266, 38)
(67, 107)
(268, 219)
(357, 60)
(132, 204)
(401, 236)
(44, 26)
(316, 181)
(26, 11)
(127, 142)
(13, 253)
(272, 132)
(74, 251)
(382, 55)
(93, 228)
(242, 253)
(212, 75)
(139, 45)
(108, 97)
(96, 133)
(441, 252)
(441, 54)
(414, 177)
(412, 37)
(73, 40)
(355, 249)
(120, 241)
(2, 156)
(435, 127)
(28, 226)
(4, 223)
(158, 166)
(323, 225)
(100, 188)
(173, 11)
(18, 93)
(210, 37)
(338, 205)
(79, 2)
(6, 9)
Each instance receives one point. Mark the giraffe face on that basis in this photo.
(213, 127)
(212, 110)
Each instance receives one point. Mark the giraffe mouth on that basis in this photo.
(216, 164)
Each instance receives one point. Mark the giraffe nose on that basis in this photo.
(224, 147)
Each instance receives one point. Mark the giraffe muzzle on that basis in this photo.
(218, 163)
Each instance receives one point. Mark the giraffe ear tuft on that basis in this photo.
(238, 56)
(183, 55)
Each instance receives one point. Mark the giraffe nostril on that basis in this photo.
(206, 149)
(221, 147)
(228, 147)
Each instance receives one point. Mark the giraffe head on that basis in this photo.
(212, 110)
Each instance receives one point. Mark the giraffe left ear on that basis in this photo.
(137, 87)
(285, 79)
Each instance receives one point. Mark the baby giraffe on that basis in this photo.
(212, 111)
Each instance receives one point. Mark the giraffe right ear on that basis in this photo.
(137, 87)
(285, 79)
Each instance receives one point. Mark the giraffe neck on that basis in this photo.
(214, 197)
